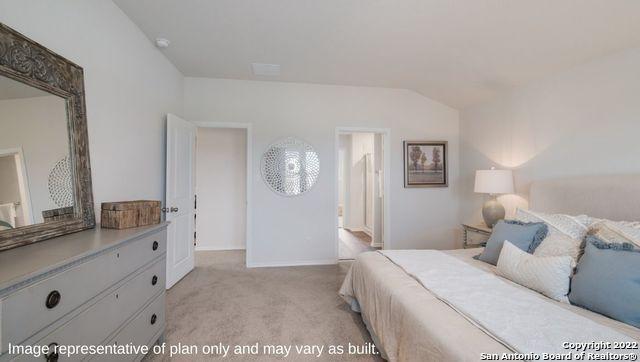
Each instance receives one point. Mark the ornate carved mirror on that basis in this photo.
(45, 176)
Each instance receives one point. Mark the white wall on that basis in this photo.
(221, 175)
(302, 229)
(580, 122)
(38, 125)
(129, 84)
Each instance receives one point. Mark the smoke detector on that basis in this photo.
(270, 70)
(162, 43)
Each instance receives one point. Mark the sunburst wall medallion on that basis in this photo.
(290, 167)
(60, 184)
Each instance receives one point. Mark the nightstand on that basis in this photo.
(475, 236)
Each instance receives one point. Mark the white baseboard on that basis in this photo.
(215, 248)
(367, 231)
(292, 263)
(377, 245)
(354, 229)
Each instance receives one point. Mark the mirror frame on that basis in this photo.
(28, 62)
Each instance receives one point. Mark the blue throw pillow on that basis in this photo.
(526, 236)
(607, 280)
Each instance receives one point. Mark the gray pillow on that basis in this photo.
(607, 280)
(526, 236)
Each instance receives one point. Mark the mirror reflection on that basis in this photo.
(35, 174)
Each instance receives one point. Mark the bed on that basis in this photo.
(408, 322)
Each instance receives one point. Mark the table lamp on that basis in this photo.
(493, 182)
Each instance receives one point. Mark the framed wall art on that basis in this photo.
(425, 164)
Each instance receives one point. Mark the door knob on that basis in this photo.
(173, 209)
(169, 209)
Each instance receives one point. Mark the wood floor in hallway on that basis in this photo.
(353, 243)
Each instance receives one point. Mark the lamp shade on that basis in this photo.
(494, 182)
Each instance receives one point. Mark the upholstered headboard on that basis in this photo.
(614, 197)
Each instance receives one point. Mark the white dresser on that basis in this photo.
(96, 287)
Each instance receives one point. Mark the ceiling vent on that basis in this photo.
(269, 70)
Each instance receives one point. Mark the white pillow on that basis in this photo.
(565, 234)
(549, 275)
(617, 231)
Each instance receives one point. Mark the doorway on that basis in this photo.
(221, 188)
(181, 202)
(362, 191)
(234, 239)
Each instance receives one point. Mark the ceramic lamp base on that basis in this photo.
(492, 212)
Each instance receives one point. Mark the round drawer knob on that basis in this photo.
(154, 280)
(153, 319)
(52, 356)
(155, 245)
(53, 299)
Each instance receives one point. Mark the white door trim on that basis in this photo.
(386, 142)
(249, 222)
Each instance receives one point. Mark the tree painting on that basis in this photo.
(425, 164)
(436, 158)
(415, 155)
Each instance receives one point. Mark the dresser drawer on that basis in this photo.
(26, 312)
(140, 331)
(94, 325)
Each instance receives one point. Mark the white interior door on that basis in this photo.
(180, 198)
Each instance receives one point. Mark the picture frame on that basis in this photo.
(425, 164)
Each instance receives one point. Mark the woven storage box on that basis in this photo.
(63, 213)
(130, 214)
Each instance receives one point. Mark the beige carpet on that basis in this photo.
(221, 301)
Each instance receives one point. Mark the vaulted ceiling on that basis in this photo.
(459, 52)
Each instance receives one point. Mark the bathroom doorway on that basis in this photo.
(361, 198)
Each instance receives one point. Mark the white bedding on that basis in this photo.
(515, 317)
(412, 324)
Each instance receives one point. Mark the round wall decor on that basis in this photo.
(290, 167)
(60, 184)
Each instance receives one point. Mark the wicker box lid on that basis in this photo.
(130, 205)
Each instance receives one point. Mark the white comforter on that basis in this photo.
(517, 318)
(411, 323)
